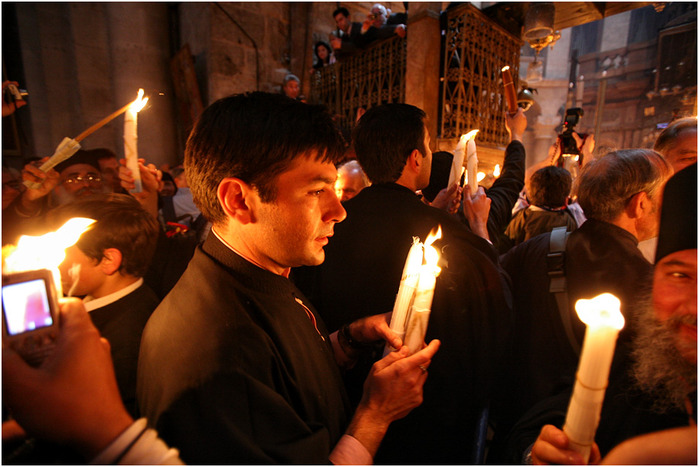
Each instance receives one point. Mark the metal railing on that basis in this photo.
(475, 50)
(365, 79)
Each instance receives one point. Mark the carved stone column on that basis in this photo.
(422, 67)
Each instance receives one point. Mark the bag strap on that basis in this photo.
(558, 286)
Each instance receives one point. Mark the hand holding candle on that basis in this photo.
(510, 92)
(70, 146)
(604, 321)
(131, 139)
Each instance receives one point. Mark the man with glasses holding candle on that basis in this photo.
(72, 179)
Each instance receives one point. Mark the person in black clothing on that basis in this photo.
(235, 364)
(362, 272)
(657, 390)
(620, 194)
(113, 256)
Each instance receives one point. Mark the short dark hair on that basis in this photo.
(324, 44)
(344, 11)
(384, 138)
(549, 187)
(606, 185)
(103, 153)
(254, 137)
(666, 139)
(121, 223)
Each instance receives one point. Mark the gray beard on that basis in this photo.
(659, 368)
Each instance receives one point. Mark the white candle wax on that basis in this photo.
(604, 321)
(472, 167)
(420, 311)
(406, 290)
(131, 147)
(457, 166)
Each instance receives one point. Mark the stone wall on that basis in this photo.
(82, 61)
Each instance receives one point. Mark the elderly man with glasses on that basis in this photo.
(72, 179)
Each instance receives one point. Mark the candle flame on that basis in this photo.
(434, 235)
(431, 253)
(139, 103)
(505, 68)
(496, 170)
(603, 310)
(470, 135)
(45, 251)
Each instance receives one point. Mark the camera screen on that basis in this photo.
(26, 306)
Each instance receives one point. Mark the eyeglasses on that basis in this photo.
(89, 178)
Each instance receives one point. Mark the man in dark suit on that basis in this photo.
(106, 267)
(346, 41)
(362, 272)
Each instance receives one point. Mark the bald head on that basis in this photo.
(678, 143)
(350, 180)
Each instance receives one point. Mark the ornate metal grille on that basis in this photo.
(475, 51)
(366, 79)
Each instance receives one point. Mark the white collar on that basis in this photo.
(94, 303)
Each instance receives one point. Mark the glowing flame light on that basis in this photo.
(46, 251)
(139, 103)
(496, 171)
(431, 253)
(603, 310)
(470, 135)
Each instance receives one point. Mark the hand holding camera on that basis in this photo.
(29, 314)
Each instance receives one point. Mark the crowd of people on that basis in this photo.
(239, 313)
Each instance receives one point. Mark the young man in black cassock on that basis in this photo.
(235, 366)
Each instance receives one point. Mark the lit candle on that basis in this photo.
(510, 93)
(579, 91)
(406, 290)
(70, 146)
(131, 139)
(422, 303)
(472, 163)
(46, 251)
(604, 320)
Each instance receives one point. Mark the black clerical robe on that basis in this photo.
(470, 313)
(121, 323)
(233, 371)
(599, 257)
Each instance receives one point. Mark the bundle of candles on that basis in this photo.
(70, 146)
(467, 144)
(411, 311)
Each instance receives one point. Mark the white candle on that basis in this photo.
(472, 164)
(457, 165)
(418, 319)
(604, 320)
(579, 91)
(131, 139)
(406, 290)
